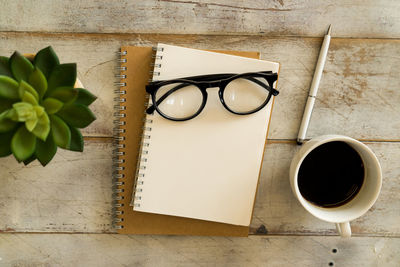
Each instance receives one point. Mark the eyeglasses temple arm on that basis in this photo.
(271, 90)
(219, 76)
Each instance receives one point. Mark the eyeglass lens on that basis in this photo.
(179, 100)
(243, 95)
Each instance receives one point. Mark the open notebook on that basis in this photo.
(208, 167)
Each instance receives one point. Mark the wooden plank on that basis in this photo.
(127, 250)
(358, 93)
(280, 212)
(73, 194)
(375, 19)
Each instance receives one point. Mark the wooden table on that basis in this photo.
(61, 215)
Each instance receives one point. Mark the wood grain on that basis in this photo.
(73, 194)
(358, 97)
(280, 212)
(127, 250)
(355, 19)
(358, 94)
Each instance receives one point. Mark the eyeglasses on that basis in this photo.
(183, 99)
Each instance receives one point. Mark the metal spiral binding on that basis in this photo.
(146, 136)
(157, 57)
(141, 162)
(119, 138)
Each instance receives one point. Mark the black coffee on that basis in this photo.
(331, 175)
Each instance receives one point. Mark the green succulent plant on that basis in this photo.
(40, 109)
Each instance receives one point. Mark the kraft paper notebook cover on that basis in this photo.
(135, 73)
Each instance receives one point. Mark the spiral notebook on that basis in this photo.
(179, 188)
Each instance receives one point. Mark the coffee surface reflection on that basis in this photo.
(331, 174)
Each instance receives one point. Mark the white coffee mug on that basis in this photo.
(357, 206)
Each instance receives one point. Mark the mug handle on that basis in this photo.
(344, 229)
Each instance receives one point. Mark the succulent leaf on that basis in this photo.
(5, 67)
(31, 123)
(5, 104)
(76, 140)
(64, 94)
(8, 88)
(42, 128)
(26, 112)
(30, 159)
(21, 67)
(12, 114)
(23, 111)
(52, 105)
(62, 75)
(26, 87)
(38, 81)
(6, 124)
(5, 141)
(60, 132)
(23, 144)
(45, 151)
(77, 115)
(46, 60)
(85, 97)
(29, 98)
(39, 110)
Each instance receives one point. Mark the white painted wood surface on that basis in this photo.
(358, 94)
(127, 250)
(354, 19)
(73, 194)
(281, 213)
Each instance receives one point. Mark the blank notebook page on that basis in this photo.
(207, 167)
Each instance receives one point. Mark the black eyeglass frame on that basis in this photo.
(203, 82)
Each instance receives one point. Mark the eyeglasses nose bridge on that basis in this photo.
(210, 84)
(203, 90)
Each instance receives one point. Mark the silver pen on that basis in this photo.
(314, 87)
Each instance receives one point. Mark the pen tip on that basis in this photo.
(300, 141)
(329, 30)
